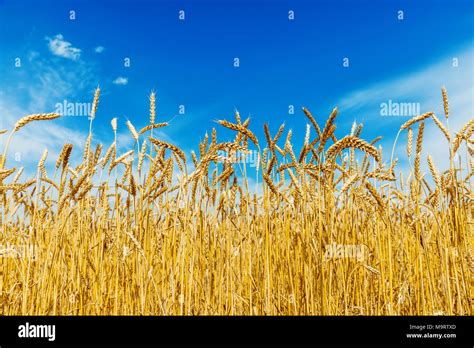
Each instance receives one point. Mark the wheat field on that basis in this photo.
(328, 229)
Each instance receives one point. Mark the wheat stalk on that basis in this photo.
(353, 142)
(172, 147)
(132, 130)
(443, 129)
(434, 172)
(152, 108)
(409, 142)
(151, 127)
(95, 103)
(445, 102)
(34, 117)
(351, 180)
(419, 144)
(416, 119)
(313, 121)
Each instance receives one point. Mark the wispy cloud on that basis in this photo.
(36, 88)
(99, 49)
(62, 48)
(28, 144)
(423, 87)
(120, 81)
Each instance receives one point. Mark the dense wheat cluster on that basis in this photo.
(147, 232)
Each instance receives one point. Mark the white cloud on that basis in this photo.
(120, 81)
(62, 48)
(99, 49)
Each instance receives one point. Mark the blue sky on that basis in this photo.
(283, 62)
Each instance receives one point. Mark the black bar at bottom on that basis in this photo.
(238, 330)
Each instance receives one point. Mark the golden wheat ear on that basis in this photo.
(132, 130)
(239, 128)
(4, 173)
(20, 124)
(313, 121)
(416, 119)
(95, 102)
(34, 117)
(353, 142)
(172, 147)
(152, 108)
(445, 102)
(152, 126)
